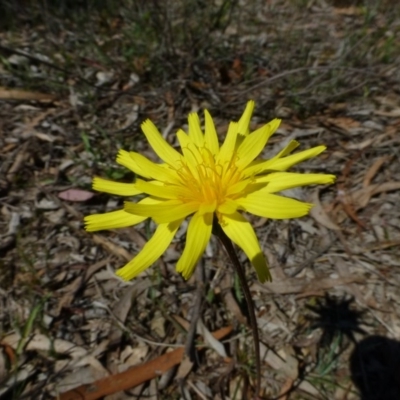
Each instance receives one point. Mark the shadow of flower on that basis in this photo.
(335, 316)
(374, 361)
(375, 368)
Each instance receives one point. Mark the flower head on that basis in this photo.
(205, 180)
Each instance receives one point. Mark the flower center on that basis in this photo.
(206, 180)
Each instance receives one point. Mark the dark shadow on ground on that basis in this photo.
(374, 361)
(375, 368)
(335, 316)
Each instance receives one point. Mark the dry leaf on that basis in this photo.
(79, 376)
(184, 368)
(229, 299)
(75, 195)
(361, 197)
(132, 356)
(348, 11)
(21, 375)
(319, 214)
(133, 376)
(285, 389)
(44, 136)
(344, 123)
(308, 388)
(391, 114)
(372, 171)
(295, 285)
(157, 324)
(17, 94)
(104, 77)
(209, 339)
(46, 204)
(283, 362)
(112, 247)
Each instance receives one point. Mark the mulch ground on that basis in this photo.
(76, 81)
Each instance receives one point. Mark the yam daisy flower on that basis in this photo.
(203, 181)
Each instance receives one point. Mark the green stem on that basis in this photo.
(226, 242)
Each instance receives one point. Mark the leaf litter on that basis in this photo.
(67, 322)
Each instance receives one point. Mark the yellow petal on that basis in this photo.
(183, 139)
(121, 189)
(254, 143)
(149, 209)
(292, 145)
(151, 251)
(191, 153)
(228, 147)
(240, 231)
(164, 191)
(179, 211)
(278, 181)
(190, 150)
(228, 207)
(260, 165)
(207, 208)
(267, 205)
(155, 171)
(160, 146)
(239, 187)
(111, 220)
(124, 158)
(163, 212)
(284, 163)
(197, 237)
(244, 121)
(210, 135)
(195, 133)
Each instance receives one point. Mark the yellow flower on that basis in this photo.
(206, 180)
